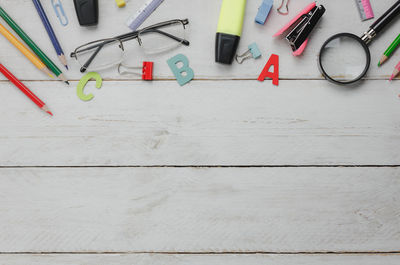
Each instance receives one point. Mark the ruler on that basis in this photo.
(142, 14)
(365, 9)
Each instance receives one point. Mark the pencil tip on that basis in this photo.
(379, 64)
(391, 78)
(49, 112)
(67, 82)
(66, 66)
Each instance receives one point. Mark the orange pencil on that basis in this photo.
(24, 50)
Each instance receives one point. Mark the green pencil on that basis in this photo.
(46, 60)
(389, 50)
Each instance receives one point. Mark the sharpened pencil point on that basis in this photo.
(382, 60)
(49, 112)
(66, 66)
(391, 78)
(67, 82)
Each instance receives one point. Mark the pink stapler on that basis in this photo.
(301, 26)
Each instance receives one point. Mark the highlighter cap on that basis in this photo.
(87, 12)
(225, 47)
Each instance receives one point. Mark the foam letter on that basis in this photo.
(272, 61)
(178, 72)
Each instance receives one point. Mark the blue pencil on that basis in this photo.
(50, 32)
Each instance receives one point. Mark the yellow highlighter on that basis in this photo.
(24, 50)
(229, 30)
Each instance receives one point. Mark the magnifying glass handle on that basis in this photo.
(382, 22)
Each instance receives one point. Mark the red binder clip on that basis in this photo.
(147, 70)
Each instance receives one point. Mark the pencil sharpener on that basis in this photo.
(87, 12)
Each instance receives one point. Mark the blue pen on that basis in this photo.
(50, 32)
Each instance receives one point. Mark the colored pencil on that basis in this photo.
(45, 59)
(24, 89)
(50, 32)
(389, 51)
(396, 71)
(24, 50)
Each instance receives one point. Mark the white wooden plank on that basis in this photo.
(203, 17)
(155, 259)
(200, 210)
(205, 123)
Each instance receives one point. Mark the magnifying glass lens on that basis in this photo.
(344, 58)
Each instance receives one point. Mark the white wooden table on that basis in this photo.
(225, 170)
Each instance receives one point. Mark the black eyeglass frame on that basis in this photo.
(130, 36)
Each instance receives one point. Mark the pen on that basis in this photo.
(50, 32)
(24, 89)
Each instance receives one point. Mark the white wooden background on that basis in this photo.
(225, 170)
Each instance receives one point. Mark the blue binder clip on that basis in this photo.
(58, 8)
(252, 52)
(263, 11)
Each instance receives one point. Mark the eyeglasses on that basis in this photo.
(106, 53)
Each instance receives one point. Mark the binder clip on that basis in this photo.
(301, 26)
(147, 70)
(252, 52)
(263, 11)
(60, 13)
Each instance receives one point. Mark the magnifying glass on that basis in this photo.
(345, 58)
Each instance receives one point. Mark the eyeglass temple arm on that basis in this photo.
(90, 60)
(90, 48)
(183, 41)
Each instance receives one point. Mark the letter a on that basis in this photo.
(272, 61)
(178, 72)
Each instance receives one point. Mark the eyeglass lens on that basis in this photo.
(102, 54)
(162, 39)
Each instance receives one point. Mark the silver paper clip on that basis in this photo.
(287, 8)
(58, 8)
(252, 52)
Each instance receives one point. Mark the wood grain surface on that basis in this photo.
(225, 170)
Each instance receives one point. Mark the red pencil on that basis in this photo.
(24, 89)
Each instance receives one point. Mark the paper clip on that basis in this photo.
(147, 70)
(252, 52)
(58, 8)
(263, 11)
(301, 26)
(287, 8)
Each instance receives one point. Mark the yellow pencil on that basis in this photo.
(24, 50)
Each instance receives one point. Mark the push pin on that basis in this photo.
(252, 52)
(147, 70)
(263, 11)
(120, 3)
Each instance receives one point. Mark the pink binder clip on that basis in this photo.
(301, 26)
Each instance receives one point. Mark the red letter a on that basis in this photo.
(273, 60)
